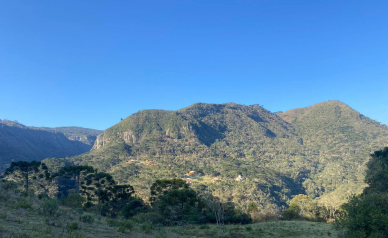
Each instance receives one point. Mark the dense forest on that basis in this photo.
(242, 154)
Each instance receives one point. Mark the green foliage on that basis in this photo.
(150, 217)
(366, 215)
(87, 218)
(24, 204)
(377, 174)
(146, 227)
(72, 226)
(50, 206)
(24, 171)
(73, 200)
(178, 206)
(161, 186)
(320, 150)
(134, 207)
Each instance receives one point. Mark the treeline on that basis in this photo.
(172, 201)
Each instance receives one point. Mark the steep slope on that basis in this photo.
(19, 142)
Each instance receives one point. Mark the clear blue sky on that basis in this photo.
(90, 63)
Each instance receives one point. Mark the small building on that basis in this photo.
(239, 178)
(188, 180)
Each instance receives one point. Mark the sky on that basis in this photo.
(91, 63)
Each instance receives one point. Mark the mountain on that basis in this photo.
(319, 150)
(19, 142)
(84, 135)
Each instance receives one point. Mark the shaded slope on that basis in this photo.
(18, 142)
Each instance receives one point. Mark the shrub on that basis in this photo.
(72, 226)
(72, 200)
(50, 206)
(24, 204)
(87, 218)
(9, 185)
(149, 217)
(146, 227)
(123, 226)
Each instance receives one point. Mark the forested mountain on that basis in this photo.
(19, 142)
(320, 150)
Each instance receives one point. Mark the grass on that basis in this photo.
(300, 229)
(23, 217)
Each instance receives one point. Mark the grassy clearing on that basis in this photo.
(25, 217)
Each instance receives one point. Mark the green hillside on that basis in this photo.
(319, 150)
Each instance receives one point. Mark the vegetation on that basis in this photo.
(25, 215)
(320, 151)
(23, 143)
(366, 215)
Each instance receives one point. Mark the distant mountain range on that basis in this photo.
(319, 150)
(20, 142)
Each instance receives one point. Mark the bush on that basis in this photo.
(149, 217)
(72, 226)
(72, 200)
(87, 218)
(24, 204)
(146, 227)
(125, 225)
(50, 206)
(9, 185)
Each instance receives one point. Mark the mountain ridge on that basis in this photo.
(314, 150)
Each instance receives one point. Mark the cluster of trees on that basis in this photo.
(366, 215)
(172, 201)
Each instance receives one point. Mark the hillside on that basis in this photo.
(314, 150)
(84, 135)
(19, 142)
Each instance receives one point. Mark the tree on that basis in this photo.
(98, 188)
(218, 209)
(179, 206)
(71, 177)
(27, 171)
(366, 215)
(162, 186)
(377, 173)
(301, 207)
(134, 207)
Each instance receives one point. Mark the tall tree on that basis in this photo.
(162, 186)
(27, 171)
